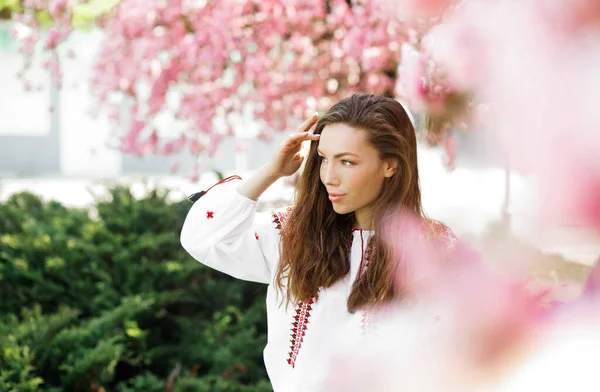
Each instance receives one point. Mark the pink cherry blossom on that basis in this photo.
(52, 39)
(284, 58)
(457, 324)
(537, 80)
(414, 10)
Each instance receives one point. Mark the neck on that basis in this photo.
(362, 220)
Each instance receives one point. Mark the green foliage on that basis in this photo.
(7, 7)
(106, 299)
(83, 14)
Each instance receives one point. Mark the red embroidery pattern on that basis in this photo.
(302, 314)
(370, 254)
(209, 215)
(280, 216)
(301, 319)
(366, 322)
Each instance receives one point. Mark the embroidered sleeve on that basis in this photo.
(223, 231)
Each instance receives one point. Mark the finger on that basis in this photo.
(306, 125)
(295, 138)
(302, 136)
(312, 129)
(294, 141)
(309, 136)
(298, 159)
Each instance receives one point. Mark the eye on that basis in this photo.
(347, 163)
(322, 159)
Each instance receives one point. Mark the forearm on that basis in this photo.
(256, 185)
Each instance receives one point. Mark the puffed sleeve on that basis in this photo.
(223, 231)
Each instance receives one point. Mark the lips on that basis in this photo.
(335, 197)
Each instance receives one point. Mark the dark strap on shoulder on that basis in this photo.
(196, 196)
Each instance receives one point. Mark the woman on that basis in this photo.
(322, 259)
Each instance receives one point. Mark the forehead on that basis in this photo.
(342, 137)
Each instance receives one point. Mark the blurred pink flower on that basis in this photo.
(130, 143)
(173, 146)
(53, 38)
(174, 168)
(538, 82)
(151, 143)
(591, 289)
(459, 327)
(419, 13)
(413, 79)
(196, 147)
(57, 8)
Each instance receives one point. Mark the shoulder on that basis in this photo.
(442, 234)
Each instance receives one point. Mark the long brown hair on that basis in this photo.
(316, 240)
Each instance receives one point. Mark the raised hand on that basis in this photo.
(287, 160)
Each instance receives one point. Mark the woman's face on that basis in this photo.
(351, 170)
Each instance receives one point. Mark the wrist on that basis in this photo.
(270, 174)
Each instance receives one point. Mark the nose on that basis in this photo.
(329, 175)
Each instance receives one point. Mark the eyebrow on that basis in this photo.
(341, 154)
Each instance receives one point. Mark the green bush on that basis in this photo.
(106, 299)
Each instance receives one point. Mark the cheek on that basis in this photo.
(358, 179)
(367, 183)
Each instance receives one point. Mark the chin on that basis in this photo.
(341, 210)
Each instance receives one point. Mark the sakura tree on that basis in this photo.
(194, 60)
(532, 86)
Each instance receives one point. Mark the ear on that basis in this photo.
(390, 167)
